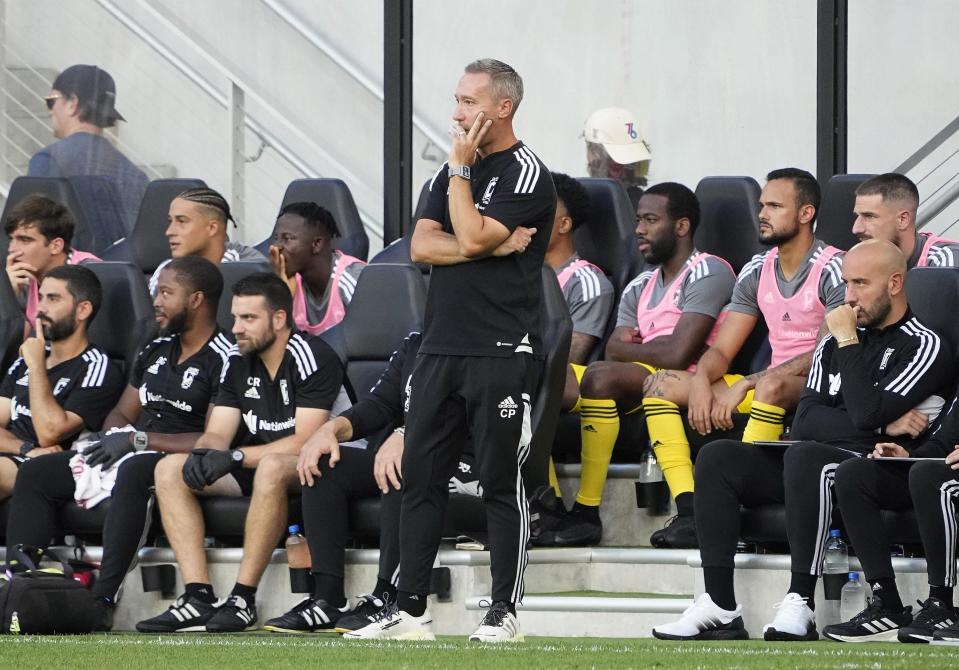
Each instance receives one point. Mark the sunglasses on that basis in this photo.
(51, 100)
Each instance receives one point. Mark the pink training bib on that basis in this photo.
(931, 239)
(568, 272)
(335, 308)
(793, 322)
(33, 295)
(661, 320)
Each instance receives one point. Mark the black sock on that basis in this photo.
(886, 590)
(202, 592)
(329, 588)
(805, 585)
(411, 603)
(588, 511)
(684, 504)
(248, 593)
(719, 586)
(943, 593)
(384, 590)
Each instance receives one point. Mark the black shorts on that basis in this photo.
(17, 459)
(244, 477)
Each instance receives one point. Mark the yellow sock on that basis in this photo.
(670, 445)
(765, 423)
(554, 480)
(577, 406)
(598, 429)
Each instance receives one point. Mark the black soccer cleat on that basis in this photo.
(678, 533)
(934, 615)
(364, 612)
(308, 616)
(234, 615)
(185, 615)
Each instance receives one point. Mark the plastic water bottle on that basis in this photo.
(297, 549)
(653, 494)
(853, 599)
(835, 574)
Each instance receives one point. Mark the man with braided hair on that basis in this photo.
(197, 227)
(322, 279)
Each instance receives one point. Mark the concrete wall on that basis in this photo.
(719, 88)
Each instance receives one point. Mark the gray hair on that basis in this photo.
(505, 82)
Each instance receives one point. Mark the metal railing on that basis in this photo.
(233, 102)
(946, 193)
(296, 23)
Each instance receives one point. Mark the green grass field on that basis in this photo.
(257, 651)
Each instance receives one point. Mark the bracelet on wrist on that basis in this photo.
(847, 340)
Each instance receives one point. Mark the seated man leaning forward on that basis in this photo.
(50, 396)
(790, 287)
(877, 365)
(666, 318)
(277, 389)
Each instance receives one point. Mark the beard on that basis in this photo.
(57, 331)
(660, 251)
(175, 324)
(252, 345)
(873, 317)
(774, 237)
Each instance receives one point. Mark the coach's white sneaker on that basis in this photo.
(392, 623)
(704, 620)
(499, 625)
(794, 621)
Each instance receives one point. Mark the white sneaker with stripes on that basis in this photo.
(185, 615)
(704, 620)
(794, 621)
(499, 625)
(392, 623)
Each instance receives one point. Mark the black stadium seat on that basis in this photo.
(232, 273)
(729, 219)
(59, 190)
(387, 306)
(146, 245)
(609, 238)
(334, 195)
(11, 324)
(126, 318)
(834, 223)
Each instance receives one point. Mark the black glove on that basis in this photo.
(193, 470)
(217, 464)
(111, 449)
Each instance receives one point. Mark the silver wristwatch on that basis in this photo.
(459, 171)
(140, 440)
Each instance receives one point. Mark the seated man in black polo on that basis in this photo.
(50, 396)
(162, 410)
(276, 390)
(333, 477)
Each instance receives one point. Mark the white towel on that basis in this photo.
(94, 485)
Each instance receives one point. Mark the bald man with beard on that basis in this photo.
(868, 376)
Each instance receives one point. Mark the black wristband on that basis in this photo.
(26, 448)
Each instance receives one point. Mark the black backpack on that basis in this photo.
(35, 600)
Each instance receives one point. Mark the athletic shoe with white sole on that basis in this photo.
(704, 620)
(499, 625)
(185, 615)
(234, 615)
(392, 623)
(363, 613)
(933, 615)
(308, 616)
(794, 621)
(874, 624)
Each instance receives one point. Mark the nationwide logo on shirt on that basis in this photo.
(155, 368)
(188, 376)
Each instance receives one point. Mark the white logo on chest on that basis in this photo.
(188, 376)
(885, 358)
(155, 368)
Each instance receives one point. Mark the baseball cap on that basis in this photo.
(617, 130)
(94, 87)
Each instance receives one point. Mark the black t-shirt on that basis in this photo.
(310, 375)
(175, 396)
(491, 306)
(87, 385)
